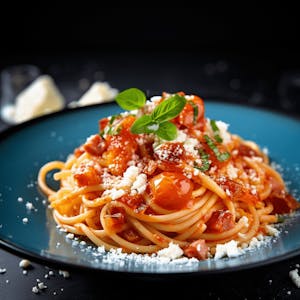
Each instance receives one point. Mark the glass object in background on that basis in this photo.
(14, 80)
(289, 91)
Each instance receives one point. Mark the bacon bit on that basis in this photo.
(197, 249)
(238, 192)
(220, 221)
(95, 145)
(87, 175)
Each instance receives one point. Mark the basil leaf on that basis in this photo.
(205, 161)
(131, 99)
(195, 110)
(216, 131)
(220, 156)
(167, 131)
(169, 109)
(144, 124)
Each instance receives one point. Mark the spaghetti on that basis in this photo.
(141, 192)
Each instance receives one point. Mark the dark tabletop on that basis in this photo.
(259, 78)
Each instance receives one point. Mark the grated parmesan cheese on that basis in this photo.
(229, 249)
(172, 252)
(294, 275)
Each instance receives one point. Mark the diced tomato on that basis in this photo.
(220, 221)
(116, 219)
(120, 148)
(103, 123)
(171, 190)
(197, 249)
(94, 145)
(283, 205)
(238, 192)
(188, 118)
(135, 202)
(88, 174)
(281, 201)
(170, 152)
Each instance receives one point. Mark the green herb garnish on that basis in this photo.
(205, 161)
(216, 131)
(131, 99)
(280, 218)
(220, 156)
(158, 121)
(195, 110)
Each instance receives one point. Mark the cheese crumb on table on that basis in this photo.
(65, 274)
(24, 263)
(294, 275)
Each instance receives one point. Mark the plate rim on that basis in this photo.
(18, 250)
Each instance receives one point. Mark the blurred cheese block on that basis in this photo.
(39, 98)
(99, 92)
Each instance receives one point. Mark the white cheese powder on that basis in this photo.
(172, 252)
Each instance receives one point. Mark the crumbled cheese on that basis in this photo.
(2, 270)
(271, 230)
(223, 130)
(229, 249)
(139, 184)
(40, 97)
(153, 127)
(24, 263)
(29, 205)
(294, 275)
(114, 193)
(25, 220)
(70, 236)
(20, 199)
(190, 146)
(232, 172)
(65, 274)
(42, 286)
(24, 272)
(35, 290)
(99, 92)
(181, 137)
(172, 252)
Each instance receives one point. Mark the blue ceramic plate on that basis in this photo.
(25, 148)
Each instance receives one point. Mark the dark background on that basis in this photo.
(247, 55)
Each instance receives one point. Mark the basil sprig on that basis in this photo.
(216, 131)
(158, 122)
(205, 161)
(131, 99)
(221, 156)
(195, 111)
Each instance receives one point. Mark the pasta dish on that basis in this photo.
(162, 172)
